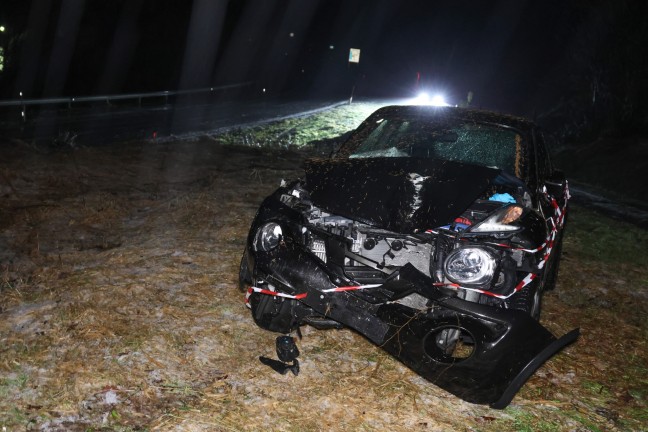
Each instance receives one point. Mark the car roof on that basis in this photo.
(469, 114)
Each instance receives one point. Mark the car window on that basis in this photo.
(474, 143)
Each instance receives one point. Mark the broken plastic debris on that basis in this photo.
(287, 351)
(281, 367)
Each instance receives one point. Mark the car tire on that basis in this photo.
(536, 304)
(552, 275)
(245, 276)
(272, 313)
(550, 279)
(528, 300)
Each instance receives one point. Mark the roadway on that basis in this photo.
(105, 124)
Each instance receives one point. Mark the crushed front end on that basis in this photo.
(456, 303)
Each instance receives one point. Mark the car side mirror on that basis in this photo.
(555, 184)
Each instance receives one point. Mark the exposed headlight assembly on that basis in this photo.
(505, 219)
(470, 266)
(268, 237)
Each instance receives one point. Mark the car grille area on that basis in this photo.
(381, 251)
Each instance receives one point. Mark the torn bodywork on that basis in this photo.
(441, 263)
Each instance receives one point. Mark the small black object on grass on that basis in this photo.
(287, 352)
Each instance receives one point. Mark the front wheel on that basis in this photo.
(552, 275)
(245, 277)
(528, 300)
(274, 313)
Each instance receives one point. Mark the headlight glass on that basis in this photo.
(502, 220)
(268, 237)
(470, 265)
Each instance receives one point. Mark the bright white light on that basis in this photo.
(424, 99)
(439, 100)
(2, 28)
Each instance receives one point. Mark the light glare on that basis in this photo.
(423, 98)
(439, 100)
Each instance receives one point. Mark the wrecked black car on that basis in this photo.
(433, 232)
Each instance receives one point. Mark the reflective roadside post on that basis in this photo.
(354, 57)
(23, 112)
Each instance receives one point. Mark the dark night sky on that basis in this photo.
(510, 53)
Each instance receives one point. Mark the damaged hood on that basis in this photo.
(396, 194)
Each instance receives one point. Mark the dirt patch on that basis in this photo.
(119, 309)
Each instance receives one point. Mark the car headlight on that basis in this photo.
(268, 237)
(502, 220)
(470, 265)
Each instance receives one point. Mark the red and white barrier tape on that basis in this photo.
(351, 288)
(271, 293)
(549, 244)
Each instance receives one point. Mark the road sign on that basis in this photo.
(354, 55)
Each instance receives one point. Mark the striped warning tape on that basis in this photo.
(548, 244)
(351, 288)
(271, 293)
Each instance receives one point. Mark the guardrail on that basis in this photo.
(108, 98)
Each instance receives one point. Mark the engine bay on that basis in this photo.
(366, 254)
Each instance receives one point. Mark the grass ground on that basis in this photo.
(119, 307)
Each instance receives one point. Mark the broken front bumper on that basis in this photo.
(505, 346)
